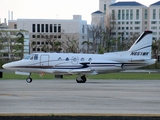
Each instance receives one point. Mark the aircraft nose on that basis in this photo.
(6, 66)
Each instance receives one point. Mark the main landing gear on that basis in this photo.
(81, 79)
(29, 80)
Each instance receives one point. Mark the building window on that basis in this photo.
(154, 13)
(137, 22)
(146, 22)
(123, 23)
(153, 22)
(146, 14)
(34, 49)
(38, 43)
(153, 28)
(55, 27)
(42, 27)
(119, 14)
(15, 26)
(51, 29)
(46, 27)
(137, 14)
(130, 28)
(33, 36)
(131, 22)
(59, 27)
(38, 49)
(127, 14)
(82, 28)
(55, 36)
(131, 14)
(123, 14)
(159, 15)
(33, 27)
(119, 23)
(59, 36)
(104, 8)
(38, 27)
(137, 28)
(113, 14)
(38, 36)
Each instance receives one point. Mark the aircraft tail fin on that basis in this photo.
(143, 45)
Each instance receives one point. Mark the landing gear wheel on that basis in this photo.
(81, 79)
(29, 80)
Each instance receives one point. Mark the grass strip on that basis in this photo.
(130, 76)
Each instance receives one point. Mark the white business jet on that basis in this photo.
(139, 55)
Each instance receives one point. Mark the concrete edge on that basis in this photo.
(88, 114)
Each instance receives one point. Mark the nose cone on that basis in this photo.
(5, 66)
(8, 66)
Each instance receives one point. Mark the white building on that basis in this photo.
(104, 5)
(134, 18)
(75, 28)
(154, 19)
(10, 45)
(130, 18)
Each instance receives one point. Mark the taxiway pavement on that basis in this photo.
(69, 97)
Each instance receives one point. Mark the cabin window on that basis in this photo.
(82, 59)
(74, 59)
(36, 57)
(27, 57)
(59, 58)
(67, 59)
(31, 58)
(90, 59)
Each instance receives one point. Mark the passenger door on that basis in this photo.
(44, 60)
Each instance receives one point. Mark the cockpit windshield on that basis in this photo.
(31, 57)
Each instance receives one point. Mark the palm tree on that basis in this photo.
(88, 44)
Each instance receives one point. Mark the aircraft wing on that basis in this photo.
(137, 60)
(76, 71)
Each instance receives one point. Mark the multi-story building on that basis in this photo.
(133, 18)
(55, 29)
(154, 20)
(104, 5)
(130, 18)
(11, 44)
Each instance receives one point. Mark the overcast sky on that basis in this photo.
(53, 9)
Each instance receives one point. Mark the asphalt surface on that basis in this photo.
(68, 97)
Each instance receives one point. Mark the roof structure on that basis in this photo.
(156, 3)
(97, 12)
(129, 3)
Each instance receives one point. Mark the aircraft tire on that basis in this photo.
(29, 80)
(82, 80)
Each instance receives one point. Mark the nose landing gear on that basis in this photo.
(29, 80)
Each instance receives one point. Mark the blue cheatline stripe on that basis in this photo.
(85, 65)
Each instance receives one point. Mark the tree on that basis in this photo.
(11, 44)
(155, 50)
(88, 44)
(108, 32)
(51, 42)
(71, 43)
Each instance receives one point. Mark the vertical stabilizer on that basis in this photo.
(143, 45)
